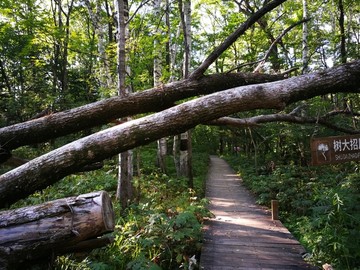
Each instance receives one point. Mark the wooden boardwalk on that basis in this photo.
(242, 234)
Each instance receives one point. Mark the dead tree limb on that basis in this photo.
(260, 119)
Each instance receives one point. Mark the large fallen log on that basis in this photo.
(51, 167)
(40, 231)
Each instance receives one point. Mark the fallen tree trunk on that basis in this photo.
(35, 232)
(51, 167)
(102, 112)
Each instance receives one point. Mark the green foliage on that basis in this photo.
(162, 230)
(320, 206)
(37, 59)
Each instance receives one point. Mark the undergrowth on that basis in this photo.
(162, 229)
(320, 206)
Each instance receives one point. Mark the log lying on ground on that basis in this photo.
(35, 232)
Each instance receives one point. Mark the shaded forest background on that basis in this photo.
(56, 55)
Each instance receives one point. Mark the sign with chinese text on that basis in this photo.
(331, 150)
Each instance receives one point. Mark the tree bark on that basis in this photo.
(161, 143)
(185, 157)
(51, 167)
(105, 79)
(124, 192)
(105, 111)
(305, 39)
(343, 55)
(35, 232)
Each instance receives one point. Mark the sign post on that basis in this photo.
(338, 149)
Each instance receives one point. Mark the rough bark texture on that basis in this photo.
(43, 230)
(105, 111)
(49, 168)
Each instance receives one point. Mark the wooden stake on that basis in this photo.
(275, 209)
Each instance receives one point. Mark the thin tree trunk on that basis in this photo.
(124, 191)
(305, 38)
(185, 138)
(161, 143)
(342, 32)
(5, 77)
(98, 25)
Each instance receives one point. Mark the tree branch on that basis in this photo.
(197, 73)
(262, 61)
(290, 118)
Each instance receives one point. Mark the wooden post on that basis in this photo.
(39, 231)
(274, 209)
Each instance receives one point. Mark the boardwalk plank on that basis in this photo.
(242, 234)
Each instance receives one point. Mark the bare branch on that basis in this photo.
(277, 40)
(290, 118)
(143, 3)
(197, 73)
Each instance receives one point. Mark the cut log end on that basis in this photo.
(107, 211)
(40, 231)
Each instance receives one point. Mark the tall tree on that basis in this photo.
(305, 38)
(342, 32)
(100, 24)
(61, 16)
(161, 143)
(124, 191)
(185, 138)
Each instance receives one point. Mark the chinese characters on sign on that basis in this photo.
(332, 150)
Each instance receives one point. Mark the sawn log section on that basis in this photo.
(242, 234)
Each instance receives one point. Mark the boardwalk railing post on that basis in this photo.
(274, 209)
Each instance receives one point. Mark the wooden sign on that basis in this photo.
(332, 150)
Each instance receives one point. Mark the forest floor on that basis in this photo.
(242, 234)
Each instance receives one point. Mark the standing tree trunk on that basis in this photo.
(124, 191)
(60, 69)
(173, 48)
(161, 143)
(342, 32)
(185, 138)
(305, 38)
(105, 78)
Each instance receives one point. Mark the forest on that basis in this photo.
(125, 101)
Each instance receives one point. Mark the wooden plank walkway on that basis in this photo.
(242, 234)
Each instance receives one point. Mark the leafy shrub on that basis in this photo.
(162, 230)
(319, 205)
